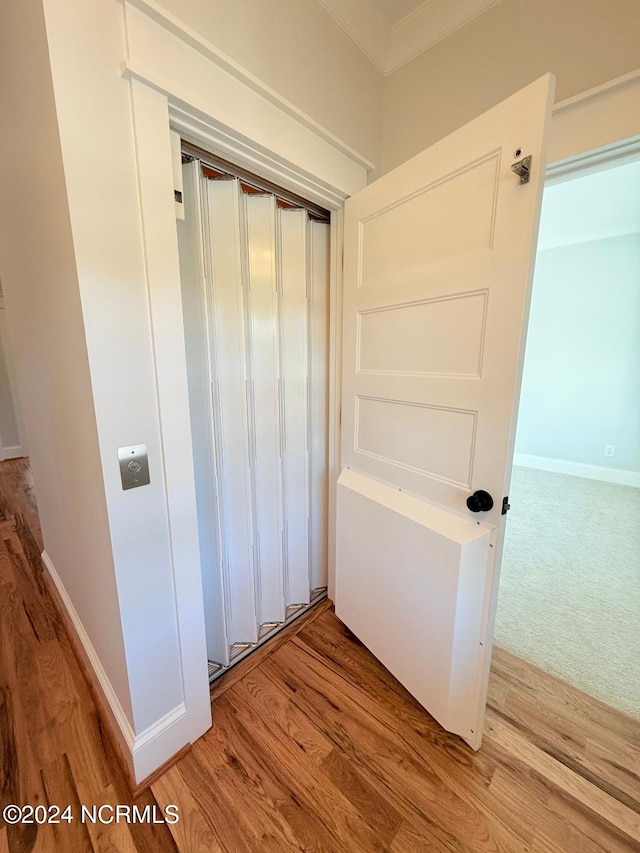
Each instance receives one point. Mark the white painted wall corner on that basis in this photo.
(154, 745)
(126, 730)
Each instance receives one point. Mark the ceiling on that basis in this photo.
(392, 32)
(592, 207)
(395, 11)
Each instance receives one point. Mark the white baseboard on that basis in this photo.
(153, 746)
(14, 452)
(159, 742)
(126, 730)
(579, 469)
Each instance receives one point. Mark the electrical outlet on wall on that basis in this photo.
(609, 450)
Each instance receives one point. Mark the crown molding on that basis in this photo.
(389, 48)
(365, 26)
(432, 22)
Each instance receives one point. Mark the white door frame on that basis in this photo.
(595, 160)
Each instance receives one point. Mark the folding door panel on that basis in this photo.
(226, 328)
(295, 396)
(318, 289)
(190, 240)
(255, 297)
(265, 373)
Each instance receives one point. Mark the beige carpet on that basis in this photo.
(570, 587)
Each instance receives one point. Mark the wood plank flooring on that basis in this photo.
(314, 747)
(53, 749)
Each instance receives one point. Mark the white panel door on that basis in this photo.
(438, 268)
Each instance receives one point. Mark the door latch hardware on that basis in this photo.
(523, 169)
(506, 506)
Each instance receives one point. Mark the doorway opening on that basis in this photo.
(254, 264)
(569, 598)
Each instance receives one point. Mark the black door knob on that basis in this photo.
(480, 501)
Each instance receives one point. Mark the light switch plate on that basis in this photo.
(134, 466)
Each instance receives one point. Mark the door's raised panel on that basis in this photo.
(431, 440)
(407, 338)
(451, 218)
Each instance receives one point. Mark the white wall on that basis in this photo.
(297, 49)
(581, 381)
(73, 268)
(46, 325)
(583, 43)
(93, 105)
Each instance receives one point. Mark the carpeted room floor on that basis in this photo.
(570, 587)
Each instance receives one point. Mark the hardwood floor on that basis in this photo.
(314, 746)
(52, 746)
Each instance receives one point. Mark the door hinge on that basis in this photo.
(523, 169)
(506, 506)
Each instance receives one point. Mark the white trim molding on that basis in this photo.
(156, 57)
(595, 127)
(390, 46)
(151, 746)
(582, 98)
(578, 469)
(191, 718)
(14, 452)
(617, 153)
